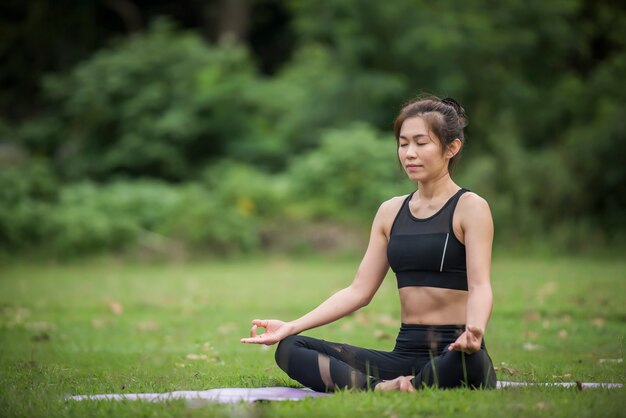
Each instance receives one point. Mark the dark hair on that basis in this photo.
(444, 117)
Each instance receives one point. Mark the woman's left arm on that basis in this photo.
(477, 226)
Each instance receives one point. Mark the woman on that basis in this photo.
(438, 242)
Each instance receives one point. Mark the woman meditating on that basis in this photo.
(438, 242)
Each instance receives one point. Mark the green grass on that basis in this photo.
(104, 326)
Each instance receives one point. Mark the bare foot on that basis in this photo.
(402, 384)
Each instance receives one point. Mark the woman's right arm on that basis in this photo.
(368, 279)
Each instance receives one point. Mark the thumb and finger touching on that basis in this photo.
(267, 337)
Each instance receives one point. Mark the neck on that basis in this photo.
(431, 189)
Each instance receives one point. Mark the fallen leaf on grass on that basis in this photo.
(382, 335)
(15, 315)
(116, 308)
(565, 376)
(196, 357)
(566, 318)
(388, 320)
(532, 316)
(598, 322)
(148, 326)
(98, 323)
(563, 334)
(509, 370)
(531, 335)
(361, 318)
(547, 290)
(207, 346)
(528, 346)
(541, 405)
(347, 326)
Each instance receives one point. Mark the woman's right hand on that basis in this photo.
(275, 330)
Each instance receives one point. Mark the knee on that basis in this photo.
(480, 370)
(283, 351)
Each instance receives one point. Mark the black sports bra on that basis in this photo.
(425, 252)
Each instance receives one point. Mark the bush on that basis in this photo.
(352, 172)
(159, 104)
(27, 192)
(311, 94)
(91, 218)
(205, 223)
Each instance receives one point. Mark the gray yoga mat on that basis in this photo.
(233, 395)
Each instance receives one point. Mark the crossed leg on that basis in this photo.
(325, 366)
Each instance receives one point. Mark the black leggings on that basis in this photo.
(420, 351)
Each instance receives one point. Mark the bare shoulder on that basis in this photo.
(474, 207)
(391, 207)
(387, 212)
(472, 201)
(392, 204)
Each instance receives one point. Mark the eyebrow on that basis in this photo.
(415, 136)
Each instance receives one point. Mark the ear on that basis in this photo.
(454, 148)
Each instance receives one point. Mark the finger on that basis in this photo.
(409, 382)
(475, 330)
(253, 340)
(253, 331)
(404, 385)
(260, 323)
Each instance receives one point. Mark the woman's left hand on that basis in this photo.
(468, 342)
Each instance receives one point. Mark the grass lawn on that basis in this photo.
(105, 326)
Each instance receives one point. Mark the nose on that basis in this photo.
(411, 151)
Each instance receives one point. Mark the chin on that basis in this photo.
(415, 177)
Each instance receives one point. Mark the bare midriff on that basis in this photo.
(432, 305)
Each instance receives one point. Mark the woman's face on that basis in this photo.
(419, 151)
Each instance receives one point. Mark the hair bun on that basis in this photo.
(457, 107)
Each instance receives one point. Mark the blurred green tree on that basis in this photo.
(160, 105)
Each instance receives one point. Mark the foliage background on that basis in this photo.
(260, 125)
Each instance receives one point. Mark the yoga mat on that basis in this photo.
(580, 385)
(233, 395)
(222, 395)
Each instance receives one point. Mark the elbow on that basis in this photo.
(482, 288)
(365, 301)
(478, 287)
(361, 297)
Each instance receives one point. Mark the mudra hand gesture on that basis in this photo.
(468, 342)
(275, 330)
